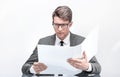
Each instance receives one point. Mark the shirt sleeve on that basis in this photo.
(90, 68)
(32, 70)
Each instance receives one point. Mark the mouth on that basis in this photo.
(60, 33)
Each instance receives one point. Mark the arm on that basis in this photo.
(96, 67)
(33, 58)
(84, 65)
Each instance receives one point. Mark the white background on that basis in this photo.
(24, 22)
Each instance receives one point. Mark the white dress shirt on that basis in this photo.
(66, 41)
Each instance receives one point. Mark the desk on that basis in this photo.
(24, 75)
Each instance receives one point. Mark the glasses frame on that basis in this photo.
(63, 26)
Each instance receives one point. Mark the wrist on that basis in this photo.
(89, 68)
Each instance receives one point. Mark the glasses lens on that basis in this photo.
(60, 25)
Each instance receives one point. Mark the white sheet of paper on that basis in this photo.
(90, 44)
(55, 57)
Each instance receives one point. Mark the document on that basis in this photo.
(90, 44)
(55, 57)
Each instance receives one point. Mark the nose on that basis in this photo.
(59, 28)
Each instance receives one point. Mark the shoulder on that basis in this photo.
(76, 37)
(47, 39)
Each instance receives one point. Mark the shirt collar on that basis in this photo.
(66, 40)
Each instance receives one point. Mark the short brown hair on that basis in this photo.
(63, 12)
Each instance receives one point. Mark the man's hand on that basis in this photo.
(79, 63)
(39, 67)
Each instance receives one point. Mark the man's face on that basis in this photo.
(61, 27)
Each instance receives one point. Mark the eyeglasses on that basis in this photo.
(63, 26)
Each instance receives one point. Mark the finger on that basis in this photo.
(84, 55)
(39, 69)
(76, 60)
(77, 65)
(42, 66)
(69, 60)
(38, 65)
(36, 68)
(35, 63)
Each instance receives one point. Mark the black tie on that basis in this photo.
(61, 43)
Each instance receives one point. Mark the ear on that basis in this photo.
(70, 24)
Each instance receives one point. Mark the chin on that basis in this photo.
(61, 36)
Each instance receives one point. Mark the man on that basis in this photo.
(62, 21)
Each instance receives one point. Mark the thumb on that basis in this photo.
(84, 55)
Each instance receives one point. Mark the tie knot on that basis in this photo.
(61, 43)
